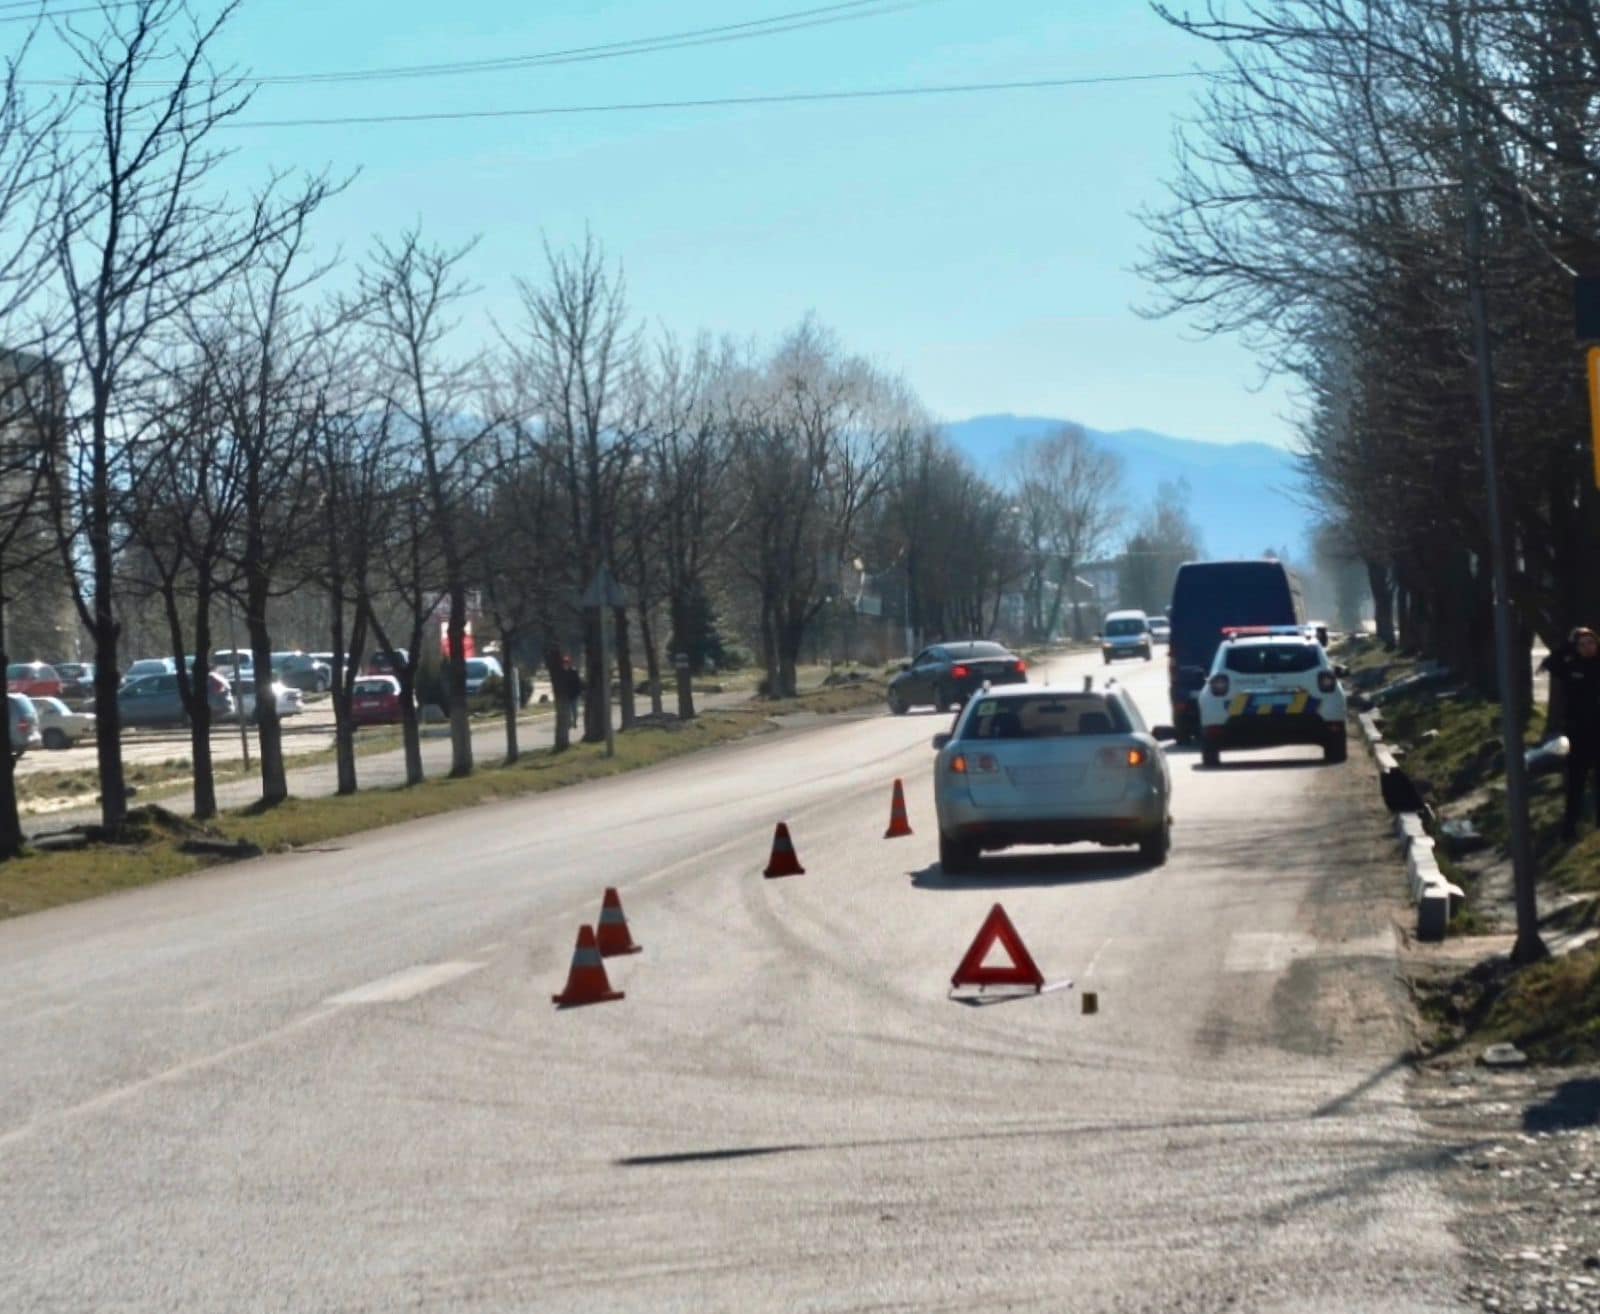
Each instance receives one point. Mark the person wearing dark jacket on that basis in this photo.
(571, 691)
(1576, 668)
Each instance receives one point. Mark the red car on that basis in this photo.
(35, 679)
(375, 700)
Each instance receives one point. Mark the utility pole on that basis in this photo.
(1529, 947)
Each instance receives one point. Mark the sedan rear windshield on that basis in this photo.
(1272, 658)
(1045, 716)
(373, 687)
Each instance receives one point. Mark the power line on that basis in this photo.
(846, 11)
(40, 11)
(715, 102)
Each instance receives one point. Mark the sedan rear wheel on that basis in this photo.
(897, 704)
(54, 739)
(1154, 847)
(957, 857)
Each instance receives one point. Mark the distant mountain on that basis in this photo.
(1242, 495)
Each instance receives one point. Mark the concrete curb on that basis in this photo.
(1437, 900)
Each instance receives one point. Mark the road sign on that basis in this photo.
(604, 591)
(1594, 409)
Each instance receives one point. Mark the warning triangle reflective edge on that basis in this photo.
(1023, 970)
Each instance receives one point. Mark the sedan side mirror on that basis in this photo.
(939, 741)
(1164, 734)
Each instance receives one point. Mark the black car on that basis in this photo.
(951, 673)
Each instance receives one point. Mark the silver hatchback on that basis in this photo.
(1031, 765)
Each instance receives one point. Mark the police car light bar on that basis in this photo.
(1241, 631)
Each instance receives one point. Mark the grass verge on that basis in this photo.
(160, 845)
(1550, 1011)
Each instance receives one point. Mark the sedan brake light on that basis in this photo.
(1119, 757)
(1219, 686)
(958, 765)
(1022, 667)
(959, 672)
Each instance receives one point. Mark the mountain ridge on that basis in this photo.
(1243, 496)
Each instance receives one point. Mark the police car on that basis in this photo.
(1270, 685)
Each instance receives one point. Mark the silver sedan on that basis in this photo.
(1030, 765)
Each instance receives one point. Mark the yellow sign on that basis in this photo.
(1594, 409)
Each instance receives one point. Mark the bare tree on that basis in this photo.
(140, 236)
(578, 353)
(411, 289)
(1067, 489)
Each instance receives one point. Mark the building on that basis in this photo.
(41, 621)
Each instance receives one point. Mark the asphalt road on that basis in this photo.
(335, 1080)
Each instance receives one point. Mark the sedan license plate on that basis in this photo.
(1034, 777)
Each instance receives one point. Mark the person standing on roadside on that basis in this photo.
(571, 691)
(1576, 667)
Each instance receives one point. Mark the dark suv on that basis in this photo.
(951, 673)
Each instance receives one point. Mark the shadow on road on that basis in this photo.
(1024, 871)
(1570, 1105)
(1264, 764)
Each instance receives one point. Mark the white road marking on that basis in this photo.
(1266, 951)
(401, 986)
(110, 1098)
(1089, 970)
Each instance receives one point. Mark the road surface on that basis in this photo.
(334, 1080)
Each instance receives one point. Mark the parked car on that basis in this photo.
(150, 666)
(24, 724)
(1160, 630)
(1206, 597)
(60, 726)
(1030, 765)
(1127, 634)
(33, 678)
(77, 680)
(376, 700)
(480, 670)
(229, 658)
(154, 700)
(1269, 686)
(290, 701)
(951, 673)
(303, 671)
(386, 663)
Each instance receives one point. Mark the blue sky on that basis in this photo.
(980, 245)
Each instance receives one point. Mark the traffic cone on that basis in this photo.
(783, 861)
(587, 983)
(898, 824)
(611, 935)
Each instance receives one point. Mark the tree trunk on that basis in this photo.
(680, 628)
(411, 735)
(1382, 590)
(269, 729)
(456, 682)
(11, 841)
(510, 691)
(344, 731)
(596, 677)
(770, 645)
(652, 660)
(205, 776)
(558, 696)
(624, 659)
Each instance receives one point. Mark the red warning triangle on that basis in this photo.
(1022, 972)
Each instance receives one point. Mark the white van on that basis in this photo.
(1126, 634)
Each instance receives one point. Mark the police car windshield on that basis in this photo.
(1045, 716)
(1271, 658)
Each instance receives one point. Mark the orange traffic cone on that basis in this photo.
(587, 983)
(783, 861)
(898, 824)
(611, 935)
